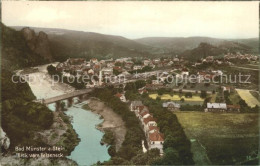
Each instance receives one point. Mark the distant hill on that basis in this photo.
(206, 49)
(63, 44)
(180, 44)
(67, 43)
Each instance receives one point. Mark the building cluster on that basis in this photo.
(240, 56)
(154, 138)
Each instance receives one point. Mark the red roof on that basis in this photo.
(96, 66)
(156, 136)
(117, 68)
(144, 113)
(118, 95)
(142, 107)
(233, 106)
(153, 128)
(149, 119)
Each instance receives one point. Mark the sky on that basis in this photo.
(139, 19)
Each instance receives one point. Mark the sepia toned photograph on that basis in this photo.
(88, 83)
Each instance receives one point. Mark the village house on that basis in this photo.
(142, 90)
(217, 72)
(121, 97)
(110, 64)
(172, 106)
(146, 62)
(148, 121)
(233, 108)
(137, 67)
(184, 72)
(128, 65)
(107, 71)
(156, 140)
(93, 60)
(209, 59)
(226, 88)
(143, 114)
(134, 105)
(216, 107)
(156, 61)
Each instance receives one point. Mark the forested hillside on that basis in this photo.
(20, 116)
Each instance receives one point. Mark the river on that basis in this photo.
(89, 150)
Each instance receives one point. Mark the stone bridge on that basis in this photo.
(81, 94)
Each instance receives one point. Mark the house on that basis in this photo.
(172, 106)
(226, 88)
(134, 105)
(142, 91)
(137, 67)
(121, 97)
(233, 108)
(156, 140)
(146, 62)
(185, 72)
(209, 59)
(218, 72)
(148, 121)
(140, 110)
(216, 107)
(118, 68)
(107, 71)
(94, 60)
(156, 61)
(110, 64)
(96, 68)
(143, 114)
(153, 129)
(176, 60)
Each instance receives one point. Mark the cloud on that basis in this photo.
(46, 15)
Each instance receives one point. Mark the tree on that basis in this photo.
(188, 95)
(203, 94)
(207, 84)
(116, 72)
(182, 100)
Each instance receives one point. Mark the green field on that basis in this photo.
(248, 97)
(221, 138)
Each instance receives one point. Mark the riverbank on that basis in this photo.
(112, 122)
(61, 133)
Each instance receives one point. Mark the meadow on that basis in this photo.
(248, 97)
(221, 138)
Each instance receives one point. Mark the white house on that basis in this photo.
(156, 140)
(134, 105)
(216, 107)
(148, 121)
(137, 67)
(121, 97)
(171, 106)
